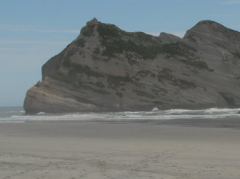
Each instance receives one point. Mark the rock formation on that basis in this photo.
(108, 69)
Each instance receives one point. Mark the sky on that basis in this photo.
(32, 31)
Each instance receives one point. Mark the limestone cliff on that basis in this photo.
(108, 69)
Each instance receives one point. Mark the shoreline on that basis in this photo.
(227, 122)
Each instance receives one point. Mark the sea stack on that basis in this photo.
(108, 69)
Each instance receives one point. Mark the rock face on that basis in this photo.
(108, 69)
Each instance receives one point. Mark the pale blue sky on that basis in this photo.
(32, 31)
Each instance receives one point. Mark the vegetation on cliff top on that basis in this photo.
(117, 41)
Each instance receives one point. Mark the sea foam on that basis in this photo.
(212, 113)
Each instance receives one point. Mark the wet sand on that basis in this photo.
(103, 150)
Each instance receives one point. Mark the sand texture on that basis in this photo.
(93, 150)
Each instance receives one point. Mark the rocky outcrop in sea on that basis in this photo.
(108, 69)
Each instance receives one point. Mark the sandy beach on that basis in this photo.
(104, 150)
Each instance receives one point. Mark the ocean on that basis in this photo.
(17, 115)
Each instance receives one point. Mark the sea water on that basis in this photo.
(7, 113)
(17, 114)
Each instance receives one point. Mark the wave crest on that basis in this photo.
(211, 113)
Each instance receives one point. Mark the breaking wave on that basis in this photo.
(212, 113)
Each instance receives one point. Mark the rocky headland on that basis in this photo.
(108, 69)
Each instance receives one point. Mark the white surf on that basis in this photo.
(156, 114)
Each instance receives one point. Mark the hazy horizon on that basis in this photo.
(31, 32)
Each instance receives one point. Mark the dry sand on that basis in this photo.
(94, 150)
